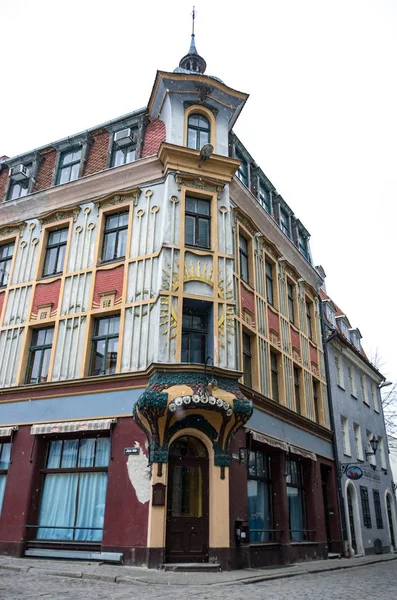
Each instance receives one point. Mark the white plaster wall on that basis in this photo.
(26, 253)
(10, 349)
(84, 232)
(17, 305)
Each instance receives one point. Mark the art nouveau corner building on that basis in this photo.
(163, 389)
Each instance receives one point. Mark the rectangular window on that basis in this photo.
(244, 268)
(291, 308)
(285, 222)
(345, 435)
(374, 396)
(274, 376)
(296, 506)
(371, 457)
(194, 335)
(6, 253)
(74, 492)
(352, 381)
(365, 507)
(197, 222)
(339, 371)
(269, 282)
(264, 198)
(69, 166)
(19, 187)
(297, 391)
(303, 246)
(115, 236)
(104, 348)
(55, 252)
(124, 150)
(5, 454)
(316, 401)
(357, 441)
(247, 359)
(39, 355)
(260, 498)
(378, 509)
(242, 171)
(309, 319)
(363, 383)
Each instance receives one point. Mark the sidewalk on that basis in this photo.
(143, 576)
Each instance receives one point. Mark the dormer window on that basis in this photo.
(344, 329)
(303, 245)
(264, 198)
(124, 147)
(330, 314)
(69, 166)
(19, 181)
(285, 222)
(198, 131)
(242, 172)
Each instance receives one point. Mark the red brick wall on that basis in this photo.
(154, 135)
(3, 183)
(108, 280)
(273, 320)
(46, 170)
(98, 154)
(46, 293)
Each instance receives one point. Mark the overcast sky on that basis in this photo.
(320, 121)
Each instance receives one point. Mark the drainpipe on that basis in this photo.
(342, 512)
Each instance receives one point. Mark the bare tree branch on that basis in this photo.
(389, 405)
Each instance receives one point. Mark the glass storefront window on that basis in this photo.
(259, 498)
(296, 506)
(5, 453)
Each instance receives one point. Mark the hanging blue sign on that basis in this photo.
(354, 472)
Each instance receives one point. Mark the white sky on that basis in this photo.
(320, 121)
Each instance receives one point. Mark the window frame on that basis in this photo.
(345, 435)
(265, 478)
(197, 217)
(198, 130)
(316, 399)
(285, 222)
(247, 358)
(297, 390)
(366, 509)
(108, 232)
(243, 169)
(5, 260)
(56, 247)
(309, 318)
(299, 485)
(275, 376)
(269, 280)
(291, 301)
(4, 472)
(23, 185)
(190, 332)
(61, 167)
(358, 443)
(264, 197)
(378, 508)
(244, 255)
(103, 337)
(33, 348)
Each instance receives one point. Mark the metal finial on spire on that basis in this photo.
(193, 62)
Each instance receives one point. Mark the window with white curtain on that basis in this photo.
(345, 435)
(74, 492)
(259, 497)
(5, 453)
(296, 503)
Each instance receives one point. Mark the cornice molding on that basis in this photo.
(14, 229)
(115, 199)
(60, 215)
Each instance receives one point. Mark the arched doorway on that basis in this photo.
(187, 502)
(353, 519)
(389, 510)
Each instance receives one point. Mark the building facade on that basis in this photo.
(355, 400)
(148, 266)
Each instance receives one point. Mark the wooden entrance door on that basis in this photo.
(187, 502)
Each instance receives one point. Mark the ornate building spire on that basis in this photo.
(192, 62)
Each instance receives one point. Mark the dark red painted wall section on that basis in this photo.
(295, 339)
(248, 301)
(273, 321)
(126, 519)
(313, 354)
(155, 134)
(108, 280)
(2, 296)
(46, 293)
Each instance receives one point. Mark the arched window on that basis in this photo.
(198, 131)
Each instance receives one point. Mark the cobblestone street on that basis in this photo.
(377, 581)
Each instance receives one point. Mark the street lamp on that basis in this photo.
(374, 445)
(385, 384)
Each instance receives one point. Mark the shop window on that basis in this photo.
(247, 359)
(115, 236)
(244, 258)
(198, 131)
(365, 507)
(378, 509)
(69, 166)
(39, 355)
(105, 341)
(5, 454)
(195, 332)
(269, 282)
(74, 492)
(274, 376)
(291, 307)
(296, 504)
(6, 253)
(55, 252)
(197, 222)
(297, 391)
(260, 498)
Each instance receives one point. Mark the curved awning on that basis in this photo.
(72, 426)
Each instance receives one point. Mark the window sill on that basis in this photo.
(341, 387)
(346, 454)
(112, 261)
(51, 275)
(202, 248)
(353, 396)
